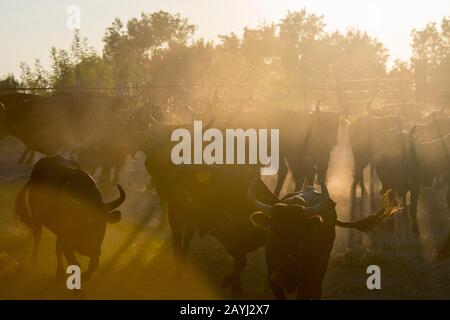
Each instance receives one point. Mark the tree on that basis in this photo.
(10, 83)
(432, 45)
(129, 50)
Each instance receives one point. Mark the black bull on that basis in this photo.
(306, 138)
(65, 199)
(102, 130)
(300, 236)
(214, 200)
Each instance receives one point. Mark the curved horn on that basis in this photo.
(252, 198)
(195, 113)
(153, 120)
(370, 103)
(116, 203)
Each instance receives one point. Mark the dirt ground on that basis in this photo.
(137, 263)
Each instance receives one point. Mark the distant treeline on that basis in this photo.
(161, 49)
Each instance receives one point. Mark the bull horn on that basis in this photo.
(252, 198)
(116, 203)
(195, 113)
(153, 121)
(370, 104)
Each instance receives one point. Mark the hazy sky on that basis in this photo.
(28, 28)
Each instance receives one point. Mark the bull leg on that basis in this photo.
(404, 197)
(413, 208)
(310, 177)
(70, 257)
(234, 278)
(299, 176)
(448, 198)
(310, 289)
(372, 186)
(187, 238)
(277, 291)
(177, 226)
(93, 265)
(37, 232)
(59, 260)
(117, 169)
(105, 176)
(359, 180)
(282, 174)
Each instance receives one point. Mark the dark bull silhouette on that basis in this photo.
(9, 101)
(64, 198)
(363, 132)
(300, 236)
(214, 200)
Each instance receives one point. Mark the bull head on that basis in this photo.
(263, 219)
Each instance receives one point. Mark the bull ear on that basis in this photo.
(261, 220)
(114, 217)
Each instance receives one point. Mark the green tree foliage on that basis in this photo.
(35, 76)
(159, 49)
(432, 45)
(129, 50)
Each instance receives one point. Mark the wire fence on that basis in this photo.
(336, 94)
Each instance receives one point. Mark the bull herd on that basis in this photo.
(80, 132)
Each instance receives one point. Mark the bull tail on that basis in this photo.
(389, 209)
(22, 207)
(364, 225)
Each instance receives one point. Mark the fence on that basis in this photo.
(337, 95)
